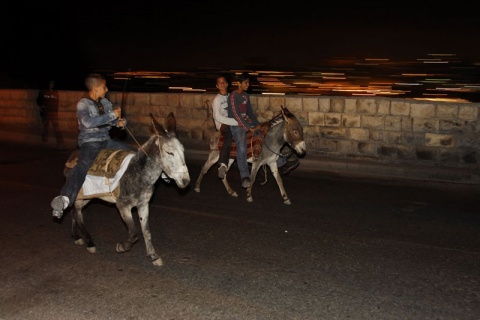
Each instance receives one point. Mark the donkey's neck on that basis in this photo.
(145, 166)
(274, 138)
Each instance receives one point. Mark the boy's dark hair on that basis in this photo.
(94, 79)
(243, 76)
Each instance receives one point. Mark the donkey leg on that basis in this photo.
(229, 189)
(278, 178)
(212, 159)
(126, 214)
(79, 233)
(143, 212)
(253, 175)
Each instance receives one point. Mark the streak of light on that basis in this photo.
(334, 78)
(415, 74)
(187, 89)
(407, 84)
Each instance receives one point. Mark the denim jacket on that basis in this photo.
(92, 125)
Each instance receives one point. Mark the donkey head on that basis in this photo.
(170, 151)
(293, 132)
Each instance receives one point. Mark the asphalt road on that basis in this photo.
(347, 248)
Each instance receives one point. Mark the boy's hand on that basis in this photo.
(117, 112)
(121, 122)
(257, 127)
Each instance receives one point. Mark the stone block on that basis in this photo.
(468, 113)
(451, 156)
(187, 100)
(359, 134)
(387, 151)
(414, 139)
(350, 106)
(439, 140)
(310, 104)
(407, 124)
(324, 104)
(470, 156)
(422, 110)
(141, 99)
(373, 121)
(367, 106)
(376, 135)
(316, 119)
(337, 105)
(326, 145)
(383, 107)
(333, 133)
(333, 119)
(400, 108)
(347, 147)
(173, 100)
(159, 99)
(367, 148)
(351, 121)
(450, 125)
(263, 104)
(393, 137)
(425, 124)
(405, 152)
(449, 112)
(393, 123)
(426, 154)
(293, 104)
(276, 102)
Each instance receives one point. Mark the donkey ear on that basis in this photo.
(171, 124)
(286, 114)
(156, 127)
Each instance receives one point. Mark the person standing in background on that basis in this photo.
(47, 101)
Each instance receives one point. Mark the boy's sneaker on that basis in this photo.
(59, 203)
(245, 182)
(222, 171)
(288, 167)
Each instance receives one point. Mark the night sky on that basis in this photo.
(43, 40)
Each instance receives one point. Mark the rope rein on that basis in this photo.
(139, 146)
(259, 133)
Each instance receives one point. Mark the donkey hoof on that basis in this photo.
(287, 201)
(120, 248)
(79, 242)
(197, 189)
(92, 249)
(158, 262)
(250, 199)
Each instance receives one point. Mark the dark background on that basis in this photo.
(50, 40)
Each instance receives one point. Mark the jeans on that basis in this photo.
(227, 145)
(86, 156)
(240, 137)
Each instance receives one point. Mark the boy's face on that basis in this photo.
(101, 89)
(222, 85)
(243, 85)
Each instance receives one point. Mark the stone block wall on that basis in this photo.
(383, 130)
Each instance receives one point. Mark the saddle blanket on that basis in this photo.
(98, 184)
(254, 143)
